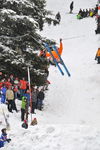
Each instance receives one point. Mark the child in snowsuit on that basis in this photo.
(3, 138)
(24, 108)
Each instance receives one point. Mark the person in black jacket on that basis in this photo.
(34, 100)
(58, 17)
(71, 6)
(96, 10)
(40, 98)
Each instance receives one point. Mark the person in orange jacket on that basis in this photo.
(97, 57)
(23, 86)
(54, 53)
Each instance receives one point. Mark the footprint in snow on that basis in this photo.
(50, 130)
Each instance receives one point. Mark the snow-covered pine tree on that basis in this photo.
(19, 41)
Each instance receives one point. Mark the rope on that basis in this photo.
(73, 37)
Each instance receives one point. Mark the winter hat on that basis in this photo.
(25, 121)
(3, 130)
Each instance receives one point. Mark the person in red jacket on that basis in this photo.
(23, 86)
(8, 83)
(1, 84)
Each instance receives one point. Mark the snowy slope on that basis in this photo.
(71, 116)
(78, 96)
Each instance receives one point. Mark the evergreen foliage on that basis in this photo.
(19, 41)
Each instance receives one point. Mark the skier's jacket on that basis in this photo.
(54, 53)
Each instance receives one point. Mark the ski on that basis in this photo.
(61, 60)
(48, 49)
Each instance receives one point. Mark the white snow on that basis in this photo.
(71, 116)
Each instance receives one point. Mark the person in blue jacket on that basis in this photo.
(3, 94)
(3, 138)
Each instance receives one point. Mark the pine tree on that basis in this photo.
(19, 41)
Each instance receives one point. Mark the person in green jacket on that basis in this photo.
(23, 108)
(79, 16)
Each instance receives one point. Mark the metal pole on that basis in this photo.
(29, 82)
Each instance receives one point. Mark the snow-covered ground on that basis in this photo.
(71, 116)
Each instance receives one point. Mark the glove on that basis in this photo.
(8, 140)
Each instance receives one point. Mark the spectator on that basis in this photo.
(40, 99)
(10, 99)
(3, 93)
(71, 7)
(12, 79)
(97, 57)
(34, 100)
(8, 83)
(16, 88)
(23, 108)
(27, 95)
(58, 17)
(23, 86)
(3, 138)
